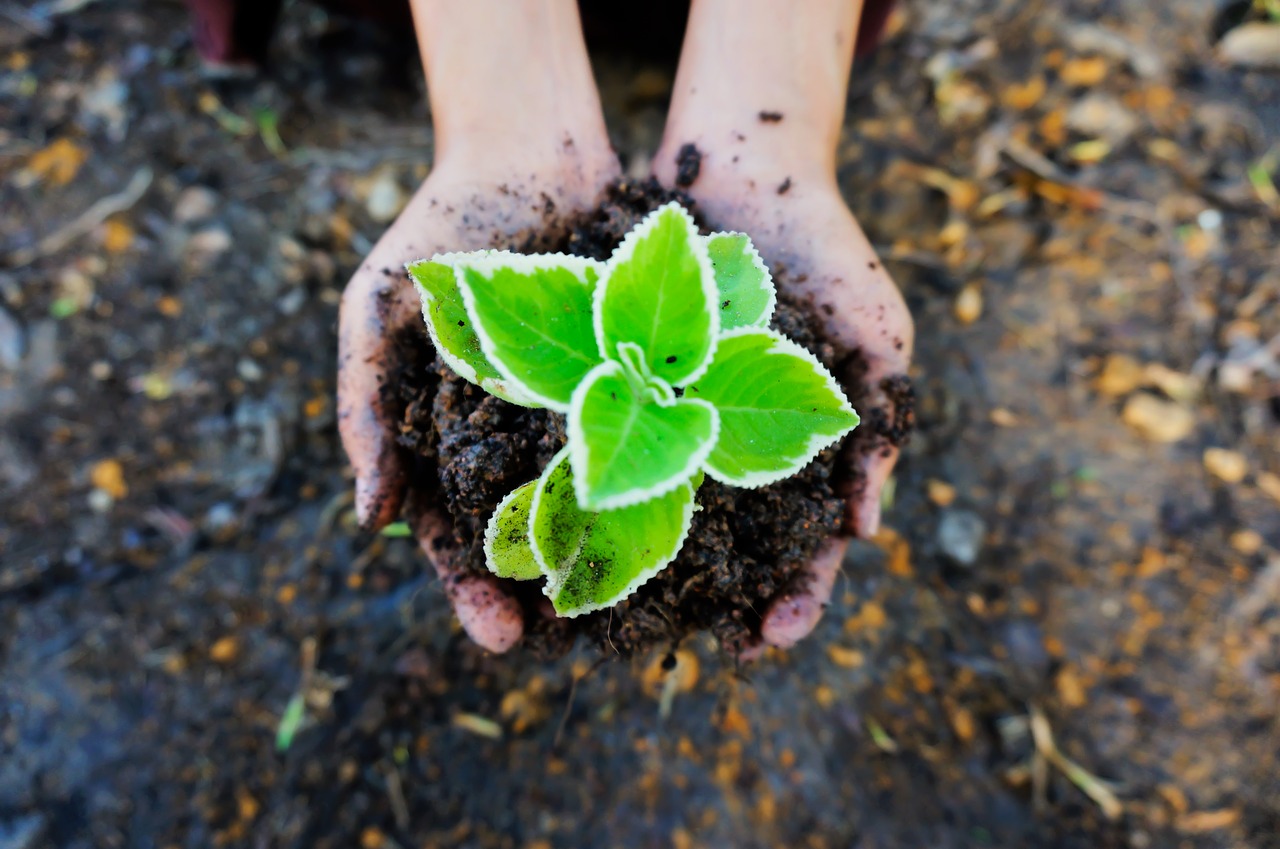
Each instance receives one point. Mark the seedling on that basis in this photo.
(662, 361)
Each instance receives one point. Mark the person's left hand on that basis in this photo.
(809, 238)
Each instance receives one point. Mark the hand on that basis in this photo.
(520, 147)
(461, 206)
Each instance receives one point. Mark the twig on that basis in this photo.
(100, 211)
(1101, 792)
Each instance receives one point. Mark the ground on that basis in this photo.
(1068, 635)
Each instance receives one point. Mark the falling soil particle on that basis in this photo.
(688, 165)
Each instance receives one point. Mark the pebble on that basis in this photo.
(1246, 541)
(195, 204)
(249, 370)
(100, 501)
(1252, 45)
(12, 341)
(209, 242)
(960, 535)
(1226, 465)
(385, 198)
(1157, 419)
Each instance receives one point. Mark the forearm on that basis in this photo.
(747, 57)
(505, 75)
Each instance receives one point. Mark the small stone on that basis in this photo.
(194, 205)
(220, 516)
(249, 370)
(1120, 375)
(1157, 419)
(23, 832)
(100, 501)
(1252, 45)
(968, 306)
(1247, 541)
(1228, 466)
(208, 243)
(13, 341)
(960, 535)
(1101, 116)
(385, 198)
(75, 288)
(1004, 417)
(940, 493)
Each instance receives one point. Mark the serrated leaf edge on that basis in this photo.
(524, 263)
(552, 586)
(759, 263)
(461, 367)
(624, 252)
(577, 446)
(491, 529)
(817, 441)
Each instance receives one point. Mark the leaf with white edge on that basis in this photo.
(747, 296)
(778, 407)
(631, 442)
(533, 318)
(507, 551)
(452, 331)
(595, 560)
(658, 291)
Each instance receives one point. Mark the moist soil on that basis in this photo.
(745, 546)
(1084, 529)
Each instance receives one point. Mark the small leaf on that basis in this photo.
(290, 722)
(506, 538)
(594, 560)
(778, 407)
(658, 291)
(452, 331)
(397, 530)
(533, 319)
(629, 444)
(747, 296)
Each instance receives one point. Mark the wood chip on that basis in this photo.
(1157, 419)
(1198, 822)
(1269, 484)
(1120, 375)
(968, 306)
(941, 493)
(479, 725)
(1226, 465)
(1253, 45)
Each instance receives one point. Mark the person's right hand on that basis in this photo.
(464, 205)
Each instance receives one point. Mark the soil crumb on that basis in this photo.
(688, 165)
(745, 546)
(769, 117)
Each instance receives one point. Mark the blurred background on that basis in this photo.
(1068, 635)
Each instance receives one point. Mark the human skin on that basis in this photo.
(508, 137)
(743, 64)
(507, 141)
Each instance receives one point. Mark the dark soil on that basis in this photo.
(179, 557)
(745, 545)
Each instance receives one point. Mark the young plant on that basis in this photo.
(663, 363)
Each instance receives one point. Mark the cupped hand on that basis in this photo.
(806, 234)
(464, 205)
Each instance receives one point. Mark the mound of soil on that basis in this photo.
(745, 545)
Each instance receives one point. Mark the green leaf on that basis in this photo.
(290, 722)
(631, 442)
(658, 291)
(747, 296)
(594, 560)
(533, 317)
(452, 330)
(778, 407)
(507, 552)
(397, 530)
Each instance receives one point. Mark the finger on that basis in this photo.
(793, 615)
(864, 506)
(376, 301)
(491, 617)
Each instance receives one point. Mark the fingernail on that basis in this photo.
(364, 504)
(869, 515)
